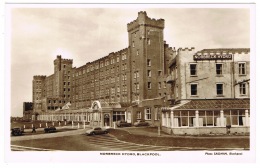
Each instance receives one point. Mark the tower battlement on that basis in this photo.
(143, 19)
(186, 49)
(39, 77)
(59, 58)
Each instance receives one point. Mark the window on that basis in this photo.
(118, 116)
(148, 114)
(133, 44)
(149, 42)
(159, 85)
(219, 89)
(137, 86)
(242, 68)
(149, 62)
(149, 85)
(159, 73)
(219, 69)
(137, 52)
(138, 115)
(149, 72)
(193, 89)
(193, 69)
(242, 88)
(117, 59)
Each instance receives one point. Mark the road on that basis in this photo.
(105, 142)
(76, 140)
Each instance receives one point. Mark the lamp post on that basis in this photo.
(159, 126)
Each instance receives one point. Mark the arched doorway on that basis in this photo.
(106, 120)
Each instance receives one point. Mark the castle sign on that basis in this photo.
(213, 57)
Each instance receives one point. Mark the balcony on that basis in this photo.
(170, 79)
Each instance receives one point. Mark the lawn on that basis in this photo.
(183, 141)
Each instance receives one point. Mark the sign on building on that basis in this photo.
(213, 57)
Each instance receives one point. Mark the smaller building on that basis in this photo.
(101, 114)
(27, 110)
(207, 116)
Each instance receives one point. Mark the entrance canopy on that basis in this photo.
(98, 105)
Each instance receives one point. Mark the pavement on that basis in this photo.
(147, 131)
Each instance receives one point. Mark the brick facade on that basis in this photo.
(144, 77)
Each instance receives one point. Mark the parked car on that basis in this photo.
(141, 123)
(49, 129)
(96, 131)
(17, 131)
(123, 124)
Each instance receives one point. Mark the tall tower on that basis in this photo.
(38, 92)
(146, 47)
(62, 78)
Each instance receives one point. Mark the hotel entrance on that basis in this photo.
(106, 120)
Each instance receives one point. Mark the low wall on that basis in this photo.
(205, 130)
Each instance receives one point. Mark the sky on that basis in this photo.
(39, 34)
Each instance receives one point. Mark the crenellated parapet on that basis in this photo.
(39, 77)
(121, 51)
(144, 20)
(60, 59)
(186, 49)
(68, 61)
(28, 102)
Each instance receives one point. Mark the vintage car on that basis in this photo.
(96, 131)
(123, 124)
(17, 131)
(49, 129)
(141, 123)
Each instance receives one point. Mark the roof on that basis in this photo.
(232, 50)
(216, 104)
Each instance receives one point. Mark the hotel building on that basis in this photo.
(148, 80)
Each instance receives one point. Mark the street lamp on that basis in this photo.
(159, 118)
